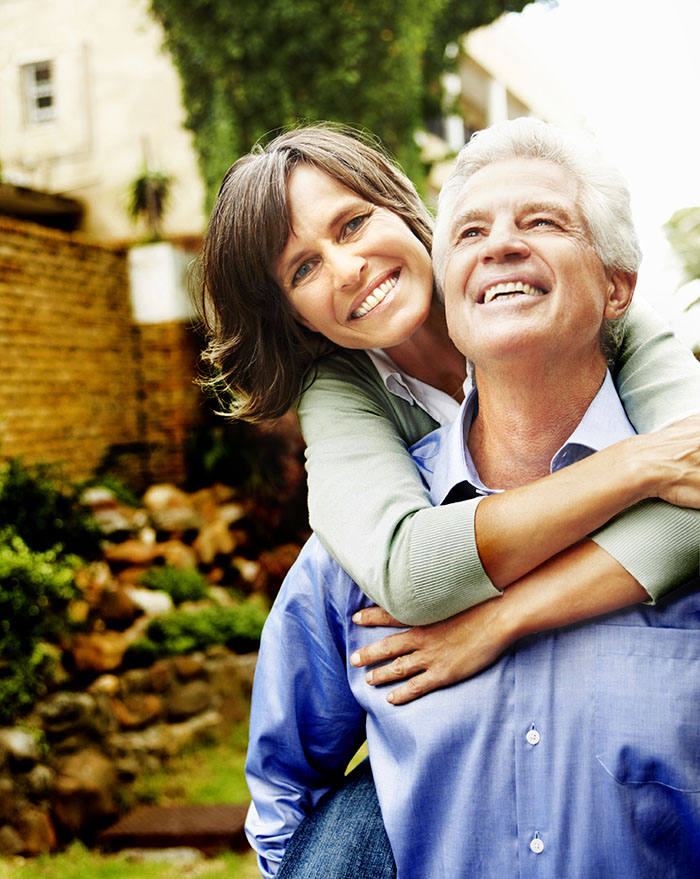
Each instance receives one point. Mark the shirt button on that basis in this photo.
(532, 737)
(536, 845)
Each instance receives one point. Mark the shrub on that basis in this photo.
(35, 589)
(181, 585)
(45, 510)
(238, 628)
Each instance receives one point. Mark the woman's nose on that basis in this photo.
(346, 267)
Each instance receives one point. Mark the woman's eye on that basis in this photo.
(544, 221)
(354, 224)
(301, 272)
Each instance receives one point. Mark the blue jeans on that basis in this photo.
(344, 837)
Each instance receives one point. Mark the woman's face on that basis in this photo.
(351, 270)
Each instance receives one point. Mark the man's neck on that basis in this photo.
(524, 418)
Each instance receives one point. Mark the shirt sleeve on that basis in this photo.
(658, 381)
(369, 506)
(305, 724)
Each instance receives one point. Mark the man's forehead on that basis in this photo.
(518, 183)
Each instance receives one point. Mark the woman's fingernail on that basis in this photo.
(355, 658)
(357, 617)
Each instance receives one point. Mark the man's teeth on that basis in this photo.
(375, 297)
(513, 288)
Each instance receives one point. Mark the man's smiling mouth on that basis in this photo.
(375, 297)
(510, 290)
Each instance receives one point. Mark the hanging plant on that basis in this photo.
(149, 196)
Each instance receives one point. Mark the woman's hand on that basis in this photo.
(671, 460)
(431, 656)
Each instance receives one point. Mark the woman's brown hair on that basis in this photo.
(258, 353)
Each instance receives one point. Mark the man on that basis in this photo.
(576, 754)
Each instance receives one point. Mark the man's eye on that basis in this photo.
(301, 272)
(470, 232)
(544, 221)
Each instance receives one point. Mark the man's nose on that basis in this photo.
(504, 242)
(346, 266)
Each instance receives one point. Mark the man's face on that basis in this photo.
(522, 275)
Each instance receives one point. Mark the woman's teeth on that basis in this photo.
(513, 288)
(375, 297)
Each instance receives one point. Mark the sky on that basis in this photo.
(633, 68)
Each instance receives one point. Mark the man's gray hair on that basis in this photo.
(603, 196)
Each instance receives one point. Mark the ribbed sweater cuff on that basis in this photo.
(447, 554)
(658, 544)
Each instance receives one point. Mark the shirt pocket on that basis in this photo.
(647, 705)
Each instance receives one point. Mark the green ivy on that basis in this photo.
(249, 68)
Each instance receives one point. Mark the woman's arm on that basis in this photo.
(372, 512)
(581, 582)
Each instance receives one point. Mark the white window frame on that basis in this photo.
(35, 91)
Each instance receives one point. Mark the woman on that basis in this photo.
(277, 291)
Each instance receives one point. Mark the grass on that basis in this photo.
(211, 774)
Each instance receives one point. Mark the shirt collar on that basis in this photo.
(443, 456)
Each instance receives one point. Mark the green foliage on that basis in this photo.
(35, 589)
(683, 233)
(250, 68)
(238, 628)
(181, 585)
(45, 510)
(149, 194)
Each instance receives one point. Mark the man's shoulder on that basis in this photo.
(316, 572)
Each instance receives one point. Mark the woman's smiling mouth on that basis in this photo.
(375, 297)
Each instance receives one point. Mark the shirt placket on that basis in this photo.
(533, 724)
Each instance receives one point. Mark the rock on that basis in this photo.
(107, 684)
(248, 569)
(171, 509)
(152, 602)
(160, 675)
(66, 714)
(98, 651)
(7, 799)
(213, 539)
(85, 791)
(22, 748)
(231, 679)
(189, 699)
(138, 710)
(132, 552)
(11, 843)
(39, 782)
(37, 831)
(189, 666)
(117, 607)
(178, 555)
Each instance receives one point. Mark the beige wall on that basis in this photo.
(117, 93)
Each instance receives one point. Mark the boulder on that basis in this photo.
(85, 792)
(187, 700)
(98, 651)
(65, 714)
(36, 830)
(21, 747)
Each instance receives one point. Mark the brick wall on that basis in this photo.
(81, 384)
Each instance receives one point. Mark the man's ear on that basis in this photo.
(619, 293)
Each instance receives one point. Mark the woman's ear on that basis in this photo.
(619, 293)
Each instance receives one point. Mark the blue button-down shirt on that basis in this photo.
(575, 756)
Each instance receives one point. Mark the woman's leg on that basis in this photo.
(344, 837)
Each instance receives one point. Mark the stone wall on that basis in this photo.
(82, 384)
(66, 771)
